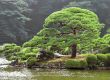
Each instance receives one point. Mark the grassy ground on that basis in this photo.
(65, 58)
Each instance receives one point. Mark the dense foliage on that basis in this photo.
(13, 16)
(10, 50)
(75, 26)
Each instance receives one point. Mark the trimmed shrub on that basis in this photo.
(72, 64)
(83, 63)
(108, 60)
(102, 58)
(75, 63)
(25, 56)
(9, 50)
(91, 60)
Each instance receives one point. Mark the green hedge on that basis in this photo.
(108, 60)
(74, 63)
(102, 59)
(91, 60)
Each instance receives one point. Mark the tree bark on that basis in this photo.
(74, 50)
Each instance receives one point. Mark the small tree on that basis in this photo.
(75, 26)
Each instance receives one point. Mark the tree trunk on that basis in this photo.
(74, 50)
(74, 46)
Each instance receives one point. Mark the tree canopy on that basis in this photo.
(75, 26)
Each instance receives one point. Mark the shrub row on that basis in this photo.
(91, 61)
(74, 63)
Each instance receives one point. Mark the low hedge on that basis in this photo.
(108, 60)
(91, 60)
(74, 63)
(102, 60)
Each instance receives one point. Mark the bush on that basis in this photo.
(13, 58)
(76, 63)
(31, 61)
(23, 57)
(27, 55)
(26, 50)
(102, 58)
(108, 60)
(30, 44)
(9, 50)
(106, 50)
(55, 48)
(1, 50)
(35, 50)
(83, 63)
(91, 60)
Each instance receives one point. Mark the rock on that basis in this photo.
(57, 55)
(45, 55)
(14, 63)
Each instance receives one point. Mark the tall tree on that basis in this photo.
(75, 26)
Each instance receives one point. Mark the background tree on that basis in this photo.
(106, 39)
(75, 26)
(13, 16)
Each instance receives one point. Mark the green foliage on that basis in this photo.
(101, 45)
(29, 50)
(108, 60)
(66, 51)
(26, 50)
(12, 58)
(76, 63)
(9, 50)
(58, 32)
(102, 59)
(91, 59)
(106, 49)
(83, 63)
(35, 50)
(75, 25)
(31, 61)
(106, 40)
(27, 55)
(108, 31)
(54, 48)
(81, 19)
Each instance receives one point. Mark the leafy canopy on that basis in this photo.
(75, 25)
